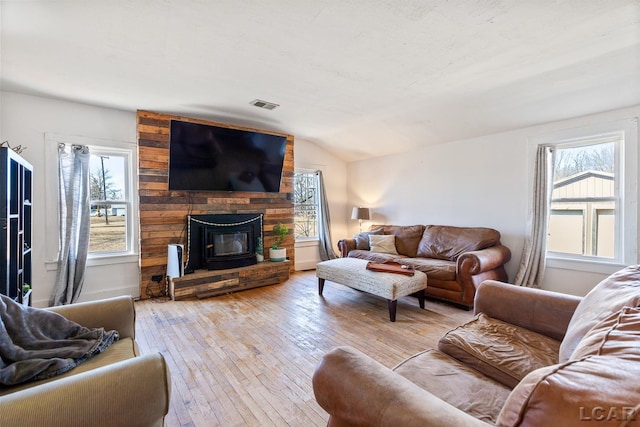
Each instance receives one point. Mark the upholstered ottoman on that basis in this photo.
(352, 272)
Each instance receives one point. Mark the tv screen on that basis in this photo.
(213, 158)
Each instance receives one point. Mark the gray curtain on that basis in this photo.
(532, 264)
(324, 222)
(74, 209)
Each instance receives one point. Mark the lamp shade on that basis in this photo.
(360, 213)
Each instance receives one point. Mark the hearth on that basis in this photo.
(222, 241)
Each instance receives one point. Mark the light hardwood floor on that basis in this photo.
(247, 358)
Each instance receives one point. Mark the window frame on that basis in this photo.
(51, 198)
(626, 175)
(315, 238)
(96, 150)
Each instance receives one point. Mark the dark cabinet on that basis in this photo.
(16, 191)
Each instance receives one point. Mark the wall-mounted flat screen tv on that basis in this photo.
(212, 158)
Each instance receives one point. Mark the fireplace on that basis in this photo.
(222, 241)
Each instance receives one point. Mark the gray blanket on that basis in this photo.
(36, 344)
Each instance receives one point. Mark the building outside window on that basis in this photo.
(110, 231)
(305, 208)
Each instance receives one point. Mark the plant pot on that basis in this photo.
(278, 255)
(26, 297)
(259, 257)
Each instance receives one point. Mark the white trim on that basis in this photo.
(101, 259)
(307, 242)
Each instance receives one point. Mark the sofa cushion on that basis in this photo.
(617, 335)
(608, 297)
(383, 244)
(373, 256)
(596, 390)
(502, 351)
(456, 384)
(362, 239)
(434, 268)
(407, 237)
(448, 242)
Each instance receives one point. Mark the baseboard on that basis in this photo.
(306, 265)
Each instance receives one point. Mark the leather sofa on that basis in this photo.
(528, 358)
(118, 387)
(455, 259)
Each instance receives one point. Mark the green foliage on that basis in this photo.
(280, 232)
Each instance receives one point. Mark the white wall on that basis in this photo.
(477, 182)
(308, 155)
(25, 120)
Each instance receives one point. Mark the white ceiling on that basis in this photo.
(361, 78)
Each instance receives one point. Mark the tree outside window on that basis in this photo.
(305, 208)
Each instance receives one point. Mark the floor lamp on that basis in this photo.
(360, 214)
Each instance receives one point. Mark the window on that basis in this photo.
(592, 215)
(305, 205)
(118, 243)
(110, 201)
(585, 200)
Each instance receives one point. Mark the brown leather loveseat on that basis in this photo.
(455, 259)
(529, 357)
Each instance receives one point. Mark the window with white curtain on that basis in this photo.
(592, 215)
(113, 210)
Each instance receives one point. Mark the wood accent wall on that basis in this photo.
(163, 213)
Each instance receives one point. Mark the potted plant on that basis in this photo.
(276, 253)
(259, 250)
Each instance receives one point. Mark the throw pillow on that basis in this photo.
(385, 244)
(362, 239)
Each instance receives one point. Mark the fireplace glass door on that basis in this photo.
(230, 244)
(228, 247)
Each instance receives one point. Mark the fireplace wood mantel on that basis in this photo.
(163, 213)
(205, 283)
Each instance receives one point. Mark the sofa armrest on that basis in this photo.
(133, 392)
(476, 262)
(358, 391)
(537, 310)
(112, 313)
(345, 246)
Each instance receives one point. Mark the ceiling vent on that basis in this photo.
(264, 104)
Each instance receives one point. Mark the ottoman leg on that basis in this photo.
(393, 304)
(421, 298)
(320, 285)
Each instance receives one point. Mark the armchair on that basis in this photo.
(115, 388)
